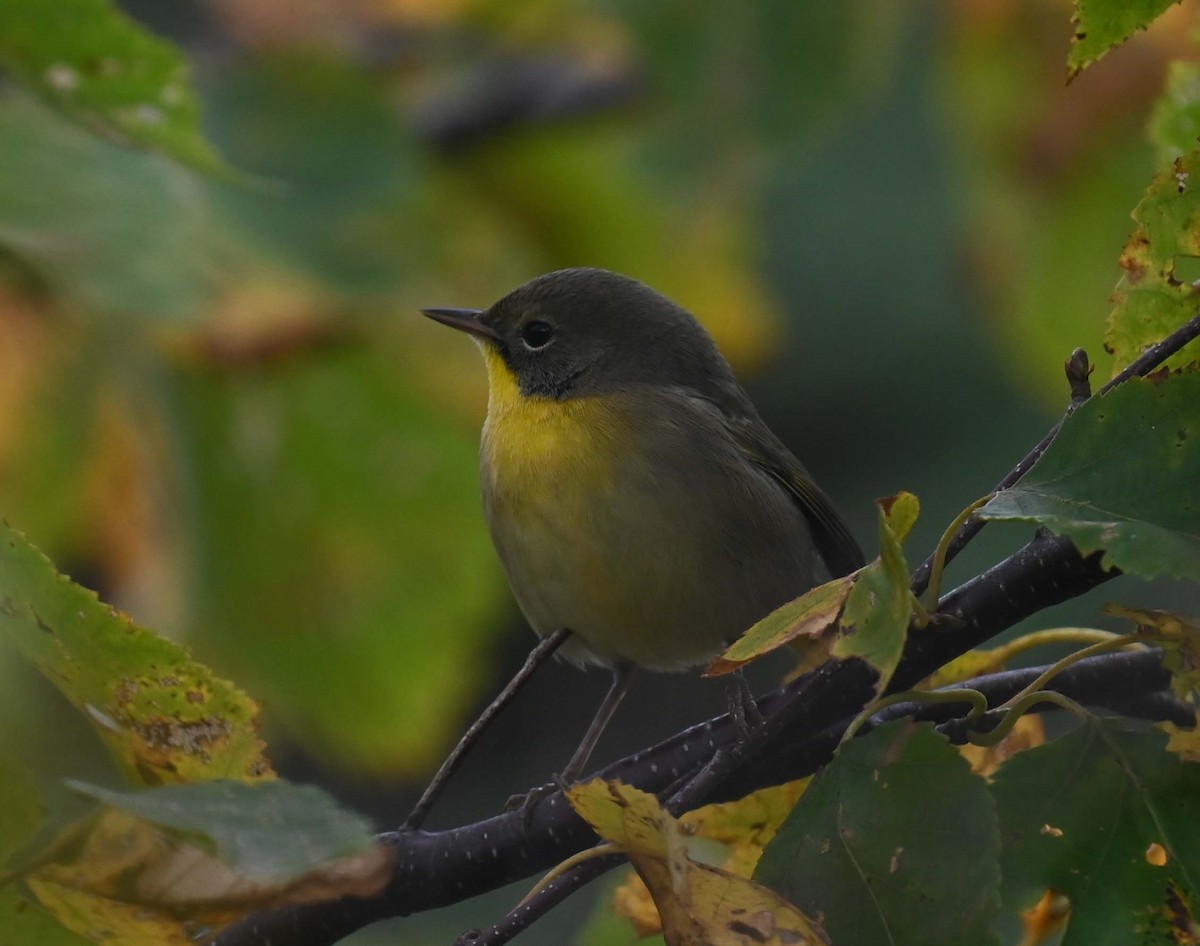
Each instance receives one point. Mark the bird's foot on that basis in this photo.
(742, 706)
(526, 802)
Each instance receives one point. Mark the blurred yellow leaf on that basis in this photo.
(1179, 637)
(154, 866)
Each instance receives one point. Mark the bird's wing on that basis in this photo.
(837, 547)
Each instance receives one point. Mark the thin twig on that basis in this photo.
(539, 655)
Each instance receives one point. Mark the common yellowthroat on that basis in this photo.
(633, 493)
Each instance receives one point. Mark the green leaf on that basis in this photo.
(163, 716)
(894, 842)
(1102, 24)
(21, 809)
(345, 567)
(100, 68)
(1079, 815)
(29, 925)
(355, 206)
(1175, 123)
(874, 623)
(1121, 476)
(268, 832)
(113, 231)
(1151, 299)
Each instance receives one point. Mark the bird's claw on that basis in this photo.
(526, 802)
(742, 707)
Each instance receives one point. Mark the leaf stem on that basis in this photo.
(1055, 635)
(588, 854)
(1113, 643)
(977, 700)
(1013, 713)
(939, 554)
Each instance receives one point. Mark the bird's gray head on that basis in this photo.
(578, 332)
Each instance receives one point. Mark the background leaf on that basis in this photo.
(895, 841)
(378, 611)
(1103, 24)
(91, 62)
(1151, 300)
(1143, 511)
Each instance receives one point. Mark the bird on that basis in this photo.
(634, 495)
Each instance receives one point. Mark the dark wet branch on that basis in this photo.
(439, 868)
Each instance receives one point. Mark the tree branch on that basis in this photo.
(440, 868)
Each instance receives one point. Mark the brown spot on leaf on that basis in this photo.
(738, 928)
(195, 696)
(1156, 855)
(1052, 831)
(1184, 930)
(171, 734)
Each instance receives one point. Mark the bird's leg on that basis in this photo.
(622, 677)
(545, 647)
(742, 706)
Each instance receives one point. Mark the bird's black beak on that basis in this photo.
(465, 320)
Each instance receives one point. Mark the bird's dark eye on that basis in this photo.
(537, 334)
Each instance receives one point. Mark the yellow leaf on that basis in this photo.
(1045, 919)
(1179, 637)
(730, 835)
(107, 923)
(1185, 743)
(699, 905)
(974, 663)
(808, 616)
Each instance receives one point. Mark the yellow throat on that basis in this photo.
(532, 441)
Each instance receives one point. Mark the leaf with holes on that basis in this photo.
(1151, 300)
(1106, 816)
(894, 842)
